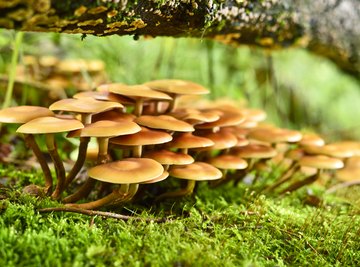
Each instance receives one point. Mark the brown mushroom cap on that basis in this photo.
(255, 115)
(331, 150)
(254, 151)
(45, 125)
(198, 171)
(311, 139)
(228, 162)
(107, 128)
(194, 116)
(113, 115)
(348, 174)
(23, 114)
(135, 91)
(321, 162)
(84, 105)
(180, 87)
(221, 139)
(162, 177)
(227, 118)
(166, 157)
(104, 96)
(164, 122)
(127, 171)
(295, 154)
(275, 135)
(188, 140)
(141, 138)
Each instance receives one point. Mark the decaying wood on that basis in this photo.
(326, 27)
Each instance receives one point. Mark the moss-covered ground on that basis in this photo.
(226, 226)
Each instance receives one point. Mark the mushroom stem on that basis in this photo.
(113, 196)
(287, 175)
(58, 164)
(220, 181)
(82, 192)
(84, 141)
(342, 185)
(179, 193)
(138, 107)
(86, 118)
(86, 188)
(173, 103)
(137, 151)
(296, 185)
(30, 141)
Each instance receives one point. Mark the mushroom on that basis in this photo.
(166, 158)
(103, 131)
(23, 114)
(320, 163)
(197, 171)
(225, 163)
(86, 107)
(49, 126)
(139, 93)
(127, 171)
(176, 88)
(139, 139)
(164, 122)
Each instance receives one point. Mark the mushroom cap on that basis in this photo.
(321, 162)
(107, 128)
(254, 151)
(164, 122)
(194, 116)
(180, 87)
(331, 150)
(227, 118)
(104, 96)
(135, 91)
(141, 138)
(198, 171)
(348, 174)
(23, 114)
(275, 135)
(295, 154)
(160, 178)
(311, 139)
(188, 140)
(222, 140)
(228, 162)
(45, 125)
(113, 115)
(254, 115)
(166, 157)
(127, 171)
(84, 105)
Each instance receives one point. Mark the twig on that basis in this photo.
(103, 214)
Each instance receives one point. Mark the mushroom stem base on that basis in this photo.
(188, 190)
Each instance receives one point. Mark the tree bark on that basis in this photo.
(326, 27)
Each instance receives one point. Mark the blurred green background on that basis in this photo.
(297, 89)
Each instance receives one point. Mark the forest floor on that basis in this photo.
(226, 226)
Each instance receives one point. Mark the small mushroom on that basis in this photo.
(320, 163)
(128, 171)
(197, 171)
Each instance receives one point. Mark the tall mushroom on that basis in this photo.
(23, 114)
(49, 126)
(86, 107)
(103, 131)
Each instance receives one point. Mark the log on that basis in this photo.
(325, 27)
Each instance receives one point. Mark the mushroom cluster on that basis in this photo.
(148, 132)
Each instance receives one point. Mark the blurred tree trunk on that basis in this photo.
(326, 27)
